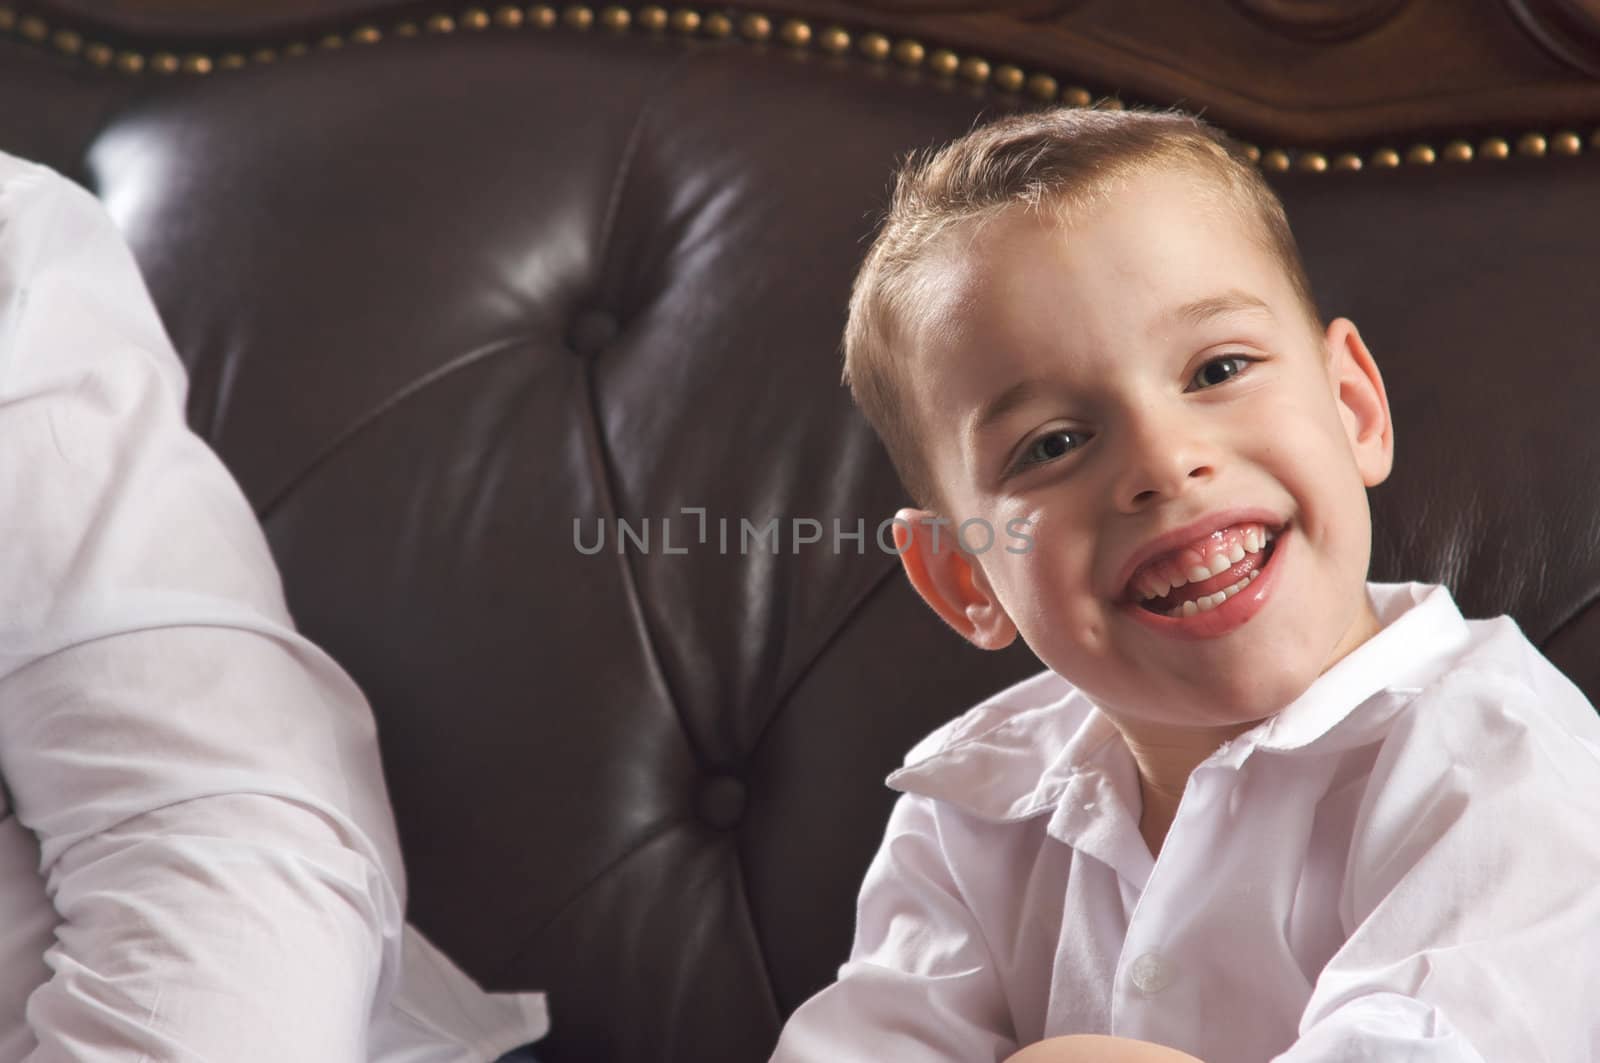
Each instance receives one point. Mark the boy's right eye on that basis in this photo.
(1050, 446)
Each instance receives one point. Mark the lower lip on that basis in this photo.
(1227, 617)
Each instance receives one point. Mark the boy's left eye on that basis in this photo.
(1049, 447)
(1218, 371)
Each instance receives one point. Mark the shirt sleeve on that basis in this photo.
(1471, 894)
(213, 829)
(920, 984)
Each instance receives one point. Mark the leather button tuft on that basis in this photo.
(592, 332)
(720, 802)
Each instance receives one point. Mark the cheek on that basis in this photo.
(1355, 533)
(1333, 507)
(1049, 594)
(1329, 477)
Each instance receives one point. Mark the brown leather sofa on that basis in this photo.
(449, 280)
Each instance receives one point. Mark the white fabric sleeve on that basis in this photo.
(1471, 894)
(920, 984)
(214, 833)
(440, 1015)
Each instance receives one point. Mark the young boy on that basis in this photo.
(1257, 809)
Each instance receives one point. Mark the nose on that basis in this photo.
(1162, 457)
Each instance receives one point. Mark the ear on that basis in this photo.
(950, 580)
(1363, 404)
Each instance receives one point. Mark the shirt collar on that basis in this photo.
(1010, 757)
(1065, 759)
(1015, 755)
(1422, 632)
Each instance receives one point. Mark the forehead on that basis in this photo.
(1158, 237)
(1034, 283)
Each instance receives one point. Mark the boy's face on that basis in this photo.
(1144, 389)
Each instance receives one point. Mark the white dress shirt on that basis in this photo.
(197, 857)
(1403, 866)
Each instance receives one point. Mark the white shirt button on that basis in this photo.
(1151, 973)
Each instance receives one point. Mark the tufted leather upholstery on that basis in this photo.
(443, 297)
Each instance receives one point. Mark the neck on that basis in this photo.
(1166, 758)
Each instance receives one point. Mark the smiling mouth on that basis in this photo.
(1200, 576)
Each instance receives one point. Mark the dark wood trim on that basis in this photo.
(1317, 74)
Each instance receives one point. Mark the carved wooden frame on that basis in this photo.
(1319, 84)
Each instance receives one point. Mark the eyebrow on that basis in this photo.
(1202, 310)
(1011, 398)
(1193, 313)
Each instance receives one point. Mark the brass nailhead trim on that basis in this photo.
(756, 27)
(944, 62)
(974, 69)
(795, 32)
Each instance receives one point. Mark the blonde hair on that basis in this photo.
(1066, 159)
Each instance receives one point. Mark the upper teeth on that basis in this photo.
(1191, 565)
